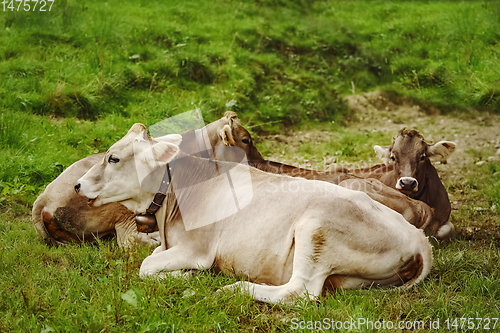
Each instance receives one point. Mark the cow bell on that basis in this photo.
(146, 223)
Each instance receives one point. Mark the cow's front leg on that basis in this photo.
(174, 259)
(127, 234)
(152, 238)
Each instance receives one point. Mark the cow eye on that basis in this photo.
(393, 158)
(422, 157)
(245, 141)
(112, 159)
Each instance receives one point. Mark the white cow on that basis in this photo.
(288, 237)
(60, 216)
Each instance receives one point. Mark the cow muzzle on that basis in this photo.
(407, 184)
(78, 190)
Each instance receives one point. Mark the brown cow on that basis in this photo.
(415, 212)
(61, 216)
(411, 172)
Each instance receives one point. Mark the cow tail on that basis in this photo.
(418, 266)
(37, 217)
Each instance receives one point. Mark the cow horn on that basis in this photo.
(230, 115)
(227, 136)
(137, 128)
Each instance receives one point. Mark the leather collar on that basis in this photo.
(146, 222)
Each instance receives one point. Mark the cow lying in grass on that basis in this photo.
(60, 216)
(409, 169)
(287, 238)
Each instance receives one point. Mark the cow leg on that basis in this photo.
(153, 238)
(158, 249)
(174, 259)
(127, 234)
(297, 287)
(308, 276)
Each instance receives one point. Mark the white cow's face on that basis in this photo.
(118, 177)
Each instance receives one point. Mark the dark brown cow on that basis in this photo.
(415, 212)
(411, 172)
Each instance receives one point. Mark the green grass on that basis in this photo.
(332, 144)
(97, 288)
(74, 80)
(284, 63)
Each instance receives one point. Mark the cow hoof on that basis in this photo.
(182, 274)
(235, 287)
(224, 289)
(446, 231)
(152, 239)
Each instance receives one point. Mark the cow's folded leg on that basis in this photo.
(174, 259)
(307, 277)
(287, 293)
(127, 235)
(158, 249)
(152, 238)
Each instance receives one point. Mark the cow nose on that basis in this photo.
(77, 187)
(408, 184)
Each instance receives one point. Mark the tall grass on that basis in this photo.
(436, 50)
(278, 61)
(283, 63)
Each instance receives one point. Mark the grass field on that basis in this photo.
(74, 79)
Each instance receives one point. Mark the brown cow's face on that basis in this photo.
(410, 155)
(234, 134)
(243, 140)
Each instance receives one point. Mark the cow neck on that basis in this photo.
(162, 192)
(422, 187)
(205, 146)
(147, 222)
(189, 170)
(203, 142)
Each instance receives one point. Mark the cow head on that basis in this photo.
(410, 155)
(230, 132)
(117, 177)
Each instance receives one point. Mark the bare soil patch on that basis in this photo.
(389, 112)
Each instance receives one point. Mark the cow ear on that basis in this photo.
(226, 135)
(164, 152)
(383, 153)
(230, 115)
(441, 151)
(137, 128)
(176, 139)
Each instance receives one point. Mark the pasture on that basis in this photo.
(74, 79)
